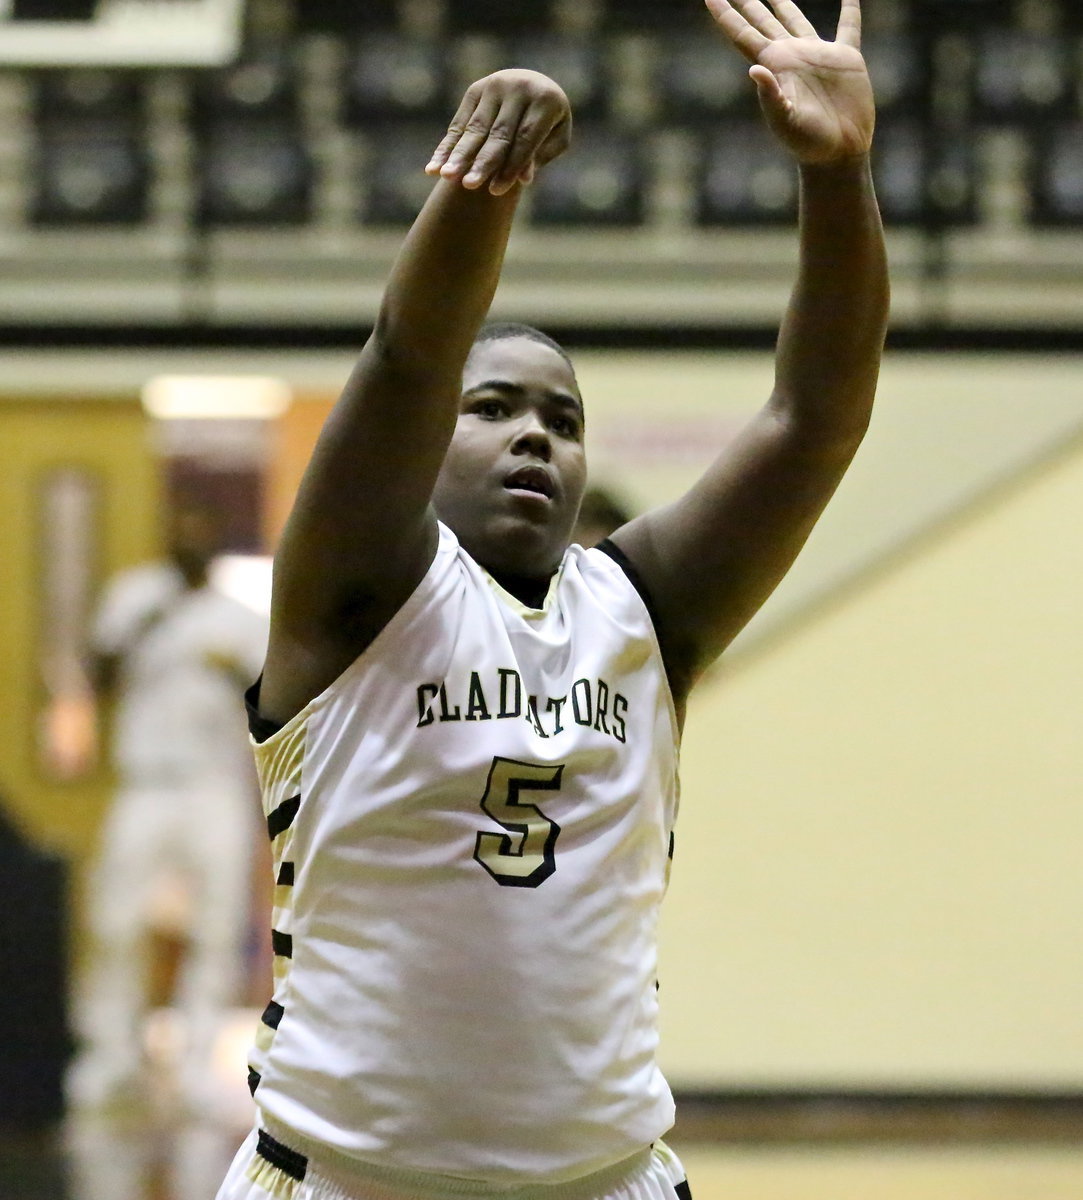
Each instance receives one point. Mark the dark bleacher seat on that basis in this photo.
(88, 171)
(90, 159)
(1070, 14)
(53, 10)
(744, 178)
(264, 83)
(394, 184)
(501, 17)
(254, 172)
(601, 180)
(1020, 77)
(395, 76)
(577, 64)
(653, 16)
(1056, 175)
(345, 16)
(901, 72)
(924, 177)
(699, 80)
(88, 92)
(964, 16)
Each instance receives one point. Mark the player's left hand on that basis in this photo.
(508, 124)
(815, 94)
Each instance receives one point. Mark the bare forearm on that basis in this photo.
(445, 276)
(833, 332)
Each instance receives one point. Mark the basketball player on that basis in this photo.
(176, 654)
(467, 729)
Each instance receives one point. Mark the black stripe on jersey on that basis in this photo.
(684, 1192)
(281, 944)
(634, 578)
(253, 1080)
(672, 844)
(285, 873)
(272, 1015)
(281, 818)
(261, 728)
(288, 1161)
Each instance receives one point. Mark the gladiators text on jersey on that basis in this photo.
(590, 703)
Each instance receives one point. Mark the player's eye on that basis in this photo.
(565, 426)
(490, 410)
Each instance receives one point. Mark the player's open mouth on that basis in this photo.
(534, 481)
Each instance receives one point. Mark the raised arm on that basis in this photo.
(711, 559)
(361, 534)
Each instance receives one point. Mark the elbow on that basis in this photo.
(826, 417)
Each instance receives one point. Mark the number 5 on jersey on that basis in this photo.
(523, 856)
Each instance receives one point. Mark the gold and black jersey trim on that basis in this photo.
(261, 728)
(289, 1162)
(272, 1015)
(281, 818)
(270, 1020)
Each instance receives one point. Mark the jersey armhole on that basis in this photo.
(677, 698)
(261, 728)
(634, 578)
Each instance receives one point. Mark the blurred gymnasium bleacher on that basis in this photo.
(273, 191)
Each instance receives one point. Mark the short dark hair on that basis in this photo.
(496, 331)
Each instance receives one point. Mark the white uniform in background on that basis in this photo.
(471, 831)
(185, 810)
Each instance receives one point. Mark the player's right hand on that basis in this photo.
(508, 124)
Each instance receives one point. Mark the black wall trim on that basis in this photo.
(912, 1097)
(988, 339)
(902, 1116)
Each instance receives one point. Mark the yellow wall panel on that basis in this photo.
(106, 437)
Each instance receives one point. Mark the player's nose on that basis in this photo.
(532, 437)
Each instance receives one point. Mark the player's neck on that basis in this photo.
(528, 590)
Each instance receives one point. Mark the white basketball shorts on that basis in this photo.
(266, 1169)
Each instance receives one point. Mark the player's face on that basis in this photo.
(193, 535)
(514, 473)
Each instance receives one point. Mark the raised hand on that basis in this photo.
(508, 124)
(815, 94)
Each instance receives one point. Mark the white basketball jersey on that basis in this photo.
(178, 720)
(472, 829)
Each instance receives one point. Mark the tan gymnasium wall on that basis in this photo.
(877, 878)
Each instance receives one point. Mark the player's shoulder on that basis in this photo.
(603, 565)
(613, 580)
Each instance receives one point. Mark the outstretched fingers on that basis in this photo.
(795, 21)
(760, 17)
(747, 39)
(848, 31)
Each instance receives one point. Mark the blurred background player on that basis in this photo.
(601, 512)
(174, 654)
